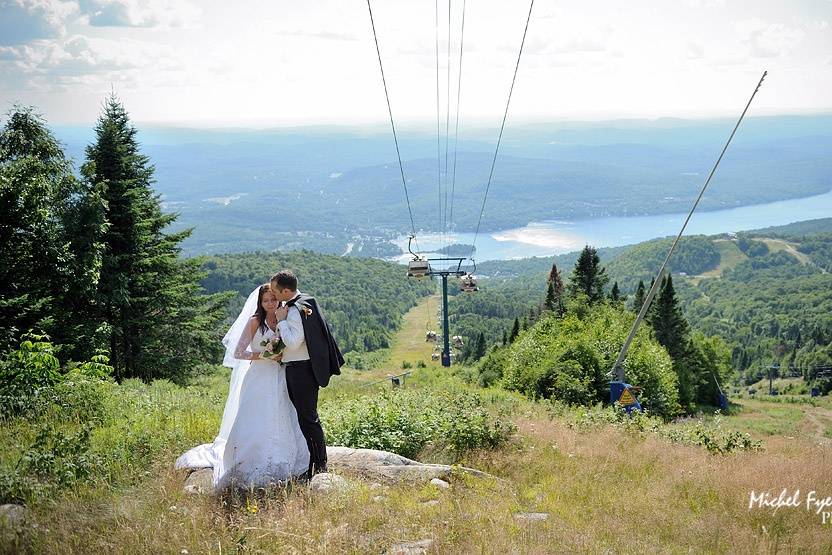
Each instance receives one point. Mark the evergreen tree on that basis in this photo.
(505, 337)
(554, 293)
(672, 332)
(588, 276)
(160, 323)
(480, 348)
(615, 294)
(668, 323)
(50, 228)
(638, 298)
(515, 331)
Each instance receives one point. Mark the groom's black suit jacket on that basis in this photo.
(324, 354)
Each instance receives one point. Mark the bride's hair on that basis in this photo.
(261, 312)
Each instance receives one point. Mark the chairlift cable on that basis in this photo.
(456, 130)
(447, 125)
(438, 124)
(392, 125)
(617, 371)
(502, 126)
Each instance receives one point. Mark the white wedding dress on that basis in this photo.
(260, 441)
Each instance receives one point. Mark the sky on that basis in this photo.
(262, 63)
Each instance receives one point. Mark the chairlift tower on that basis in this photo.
(420, 267)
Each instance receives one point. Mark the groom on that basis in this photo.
(311, 357)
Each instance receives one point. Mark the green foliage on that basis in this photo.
(27, 376)
(405, 422)
(363, 299)
(711, 435)
(751, 247)
(693, 255)
(158, 321)
(50, 228)
(588, 277)
(569, 358)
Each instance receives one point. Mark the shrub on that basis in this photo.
(569, 359)
(405, 422)
(27, 376)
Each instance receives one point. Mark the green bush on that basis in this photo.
(405, 422)
(569, 359)
(27, 376)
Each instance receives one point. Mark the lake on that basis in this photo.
(558, 236)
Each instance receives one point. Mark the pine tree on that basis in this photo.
(615, 294)
(160, 323)
(672, 332)
(515, 331)
(480, 348)
(50, 227)
(638, 298)
(505, 337)
(588, 276)
(554, 293)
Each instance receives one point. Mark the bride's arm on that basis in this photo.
(242, 351)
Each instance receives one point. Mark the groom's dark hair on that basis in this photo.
(285, 280)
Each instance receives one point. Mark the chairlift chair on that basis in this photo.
(418, 267)
(468, 283)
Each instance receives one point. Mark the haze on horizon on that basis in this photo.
(266, 64)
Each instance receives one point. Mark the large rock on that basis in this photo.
(200, 481)
(390, 466)
(12, 516)
(326, 482)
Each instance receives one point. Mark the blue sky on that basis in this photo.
(265, 63)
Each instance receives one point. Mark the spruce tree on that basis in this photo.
(638, 298)
(160, 323)
(554, 293)
(672, 332)
(480, 348)
(588, 276)
(515, 331)
(50, 228)
(615, 294)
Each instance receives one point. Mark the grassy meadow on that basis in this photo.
(607, 484)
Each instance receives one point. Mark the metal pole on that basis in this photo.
(446, 352)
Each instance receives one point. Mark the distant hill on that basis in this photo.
(327, 188)
(796, 229)
(769, 298)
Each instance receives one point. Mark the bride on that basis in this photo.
(259, 441)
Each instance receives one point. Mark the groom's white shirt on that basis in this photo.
(291, 330)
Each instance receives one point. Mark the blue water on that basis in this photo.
(557, 237)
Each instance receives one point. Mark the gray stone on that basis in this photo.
(441, 484)
(413, 472)
(410, 548)
(200, 481)
(430, 502)
(530, 517)
(12, 516)
(363, 458)
(326, 482)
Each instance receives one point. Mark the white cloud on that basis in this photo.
(26, 20)
(140, 13)
(81, 60)
(694, 51)
(768, 40)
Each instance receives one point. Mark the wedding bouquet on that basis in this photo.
(274, 347)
